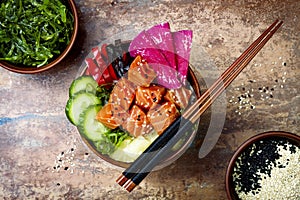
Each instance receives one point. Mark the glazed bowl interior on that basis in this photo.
(31, 70)
(229, 184)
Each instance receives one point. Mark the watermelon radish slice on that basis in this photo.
(144, 46)
(166, 52)
(162, 38)
(167, 76)
(183, 45)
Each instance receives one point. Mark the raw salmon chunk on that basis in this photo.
(105, 116)
(140, 73)
(180, 97)
(137, 124)
(123, 94)
(146, 97)
(162, 115)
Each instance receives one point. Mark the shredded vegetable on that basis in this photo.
(34, 32)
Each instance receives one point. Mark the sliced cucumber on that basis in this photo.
(77, 105)
(89, 126)
(83, 83)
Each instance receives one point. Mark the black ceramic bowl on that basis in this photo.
(257, 153)
(31, 70)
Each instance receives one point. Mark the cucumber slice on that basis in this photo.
(89, 126)
(77, 105)
(83, 83)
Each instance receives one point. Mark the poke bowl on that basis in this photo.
(42, 36)
(266, 166)
(121, 100)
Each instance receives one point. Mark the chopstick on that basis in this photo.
(158, 150)
(235, 69)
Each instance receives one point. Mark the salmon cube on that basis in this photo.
(123, 94)
(120, 115)
(146, 97)
(140, 73)
(138, 123)
(105, 116)
(180, 97)
(162, 115)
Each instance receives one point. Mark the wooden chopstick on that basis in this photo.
(225, 74)
(235, 69)
(158, 150)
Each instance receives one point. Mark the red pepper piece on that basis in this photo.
(104, 53)
(103, 58)
(112, 72)
(93, 70)
(103, 69)
(107, 76)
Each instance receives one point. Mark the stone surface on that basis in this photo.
(42, 155)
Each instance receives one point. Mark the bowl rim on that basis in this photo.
(194, 83)
(269, 134)
(32, 70)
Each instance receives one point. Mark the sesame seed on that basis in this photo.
(271, 171)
